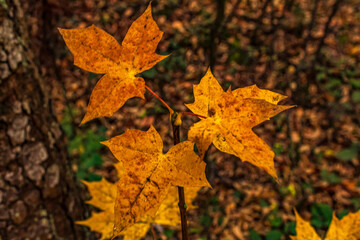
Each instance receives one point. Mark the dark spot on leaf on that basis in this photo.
(211, 112)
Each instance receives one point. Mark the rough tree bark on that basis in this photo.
(39, 197)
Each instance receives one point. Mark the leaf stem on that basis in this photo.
(193, 114)
(163, 102)
(182, 204)
(153, 232)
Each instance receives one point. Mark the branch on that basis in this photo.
(182, 204)
(215, 30)
(327, 28)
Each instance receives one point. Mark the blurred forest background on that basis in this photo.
(308, 50)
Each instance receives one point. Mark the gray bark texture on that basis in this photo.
(39, 196)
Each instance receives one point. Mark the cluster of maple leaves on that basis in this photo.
(145, 192)
(103, 197)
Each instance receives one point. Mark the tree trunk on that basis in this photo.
(39, 197)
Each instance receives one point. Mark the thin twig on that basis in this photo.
(163, 102)
(215, 36)
(153, 232)
(182, 204)
(335, 8)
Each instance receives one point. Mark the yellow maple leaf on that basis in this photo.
(348, 228)
(230, 117)
(96, 51)
(168, 214)
(103, 197)
(304, 230)
(148, 173)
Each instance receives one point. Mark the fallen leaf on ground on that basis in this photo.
(347, 228)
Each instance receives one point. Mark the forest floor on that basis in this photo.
(306, 50)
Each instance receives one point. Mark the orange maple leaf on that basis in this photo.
(148, 173)
(347, 228)
(96, 51)
(230, 117)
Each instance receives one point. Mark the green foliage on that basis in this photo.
(289, 228)
(273, 235)
(195, 229)
(321, 215)
(206, 220)
(176, 61)
(307, 187)
(355, 96)
(343, 213)
(169, 232)
(333, 87)
(239, 195)
(4, 5)
(348, 153)
(254, 235)
(356, 203)
(278, 149)
(264, 203)
(275, 220)
(151, 73)
(333, 81)
(355, 83)
(84, 146)
(329, 177)
(239, 55)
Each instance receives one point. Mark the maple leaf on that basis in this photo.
(148, 173)
(347, 228)
(168, 214)
(230, 117)
(103, 197)
(304, 230)
(96, 51)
